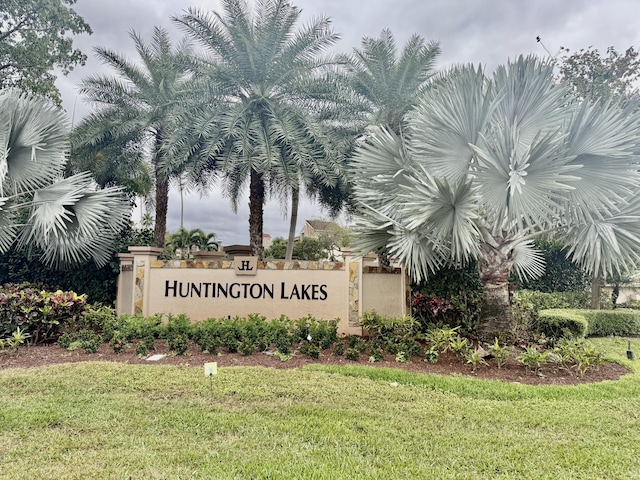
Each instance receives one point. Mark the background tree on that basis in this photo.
(65, 219)
(261, 127)
(595, 77)
(34, 40)
(488, 165)
(183, 242)
(313, 249)
(137, 111)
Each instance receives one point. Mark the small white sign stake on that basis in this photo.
(210, 369)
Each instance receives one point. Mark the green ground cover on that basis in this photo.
(106, 420)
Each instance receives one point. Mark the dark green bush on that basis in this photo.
(358, 343)
(176, 325)
(612, 322)
(457, 290)
(561, 274)
(178, 343)
(309, 349)
(607, 322)
(338, 349)
(246, 347)
(353, 354)
(559, 323)
(96, 318)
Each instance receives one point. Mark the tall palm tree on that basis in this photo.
(388, 82)
(489, 164)
(140, 105)
(261, 125)
(67, 219)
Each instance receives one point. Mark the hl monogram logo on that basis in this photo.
(246, 265)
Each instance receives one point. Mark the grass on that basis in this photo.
(104, 420)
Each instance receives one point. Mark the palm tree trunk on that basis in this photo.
(162, 194)
(256, 212)
(496, 317)
(162, 204)
(295, 198)
(181, 204)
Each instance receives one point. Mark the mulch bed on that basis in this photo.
(448, 363)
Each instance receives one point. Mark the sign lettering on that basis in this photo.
(237, 290)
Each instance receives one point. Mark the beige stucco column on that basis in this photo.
(142, 258)
(124, 299)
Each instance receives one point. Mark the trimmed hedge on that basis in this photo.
(621, 322)
(613, 322)
(562, 323)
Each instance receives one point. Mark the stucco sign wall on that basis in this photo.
(217, 288)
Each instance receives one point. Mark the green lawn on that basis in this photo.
(103, 420)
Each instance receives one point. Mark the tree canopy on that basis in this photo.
(257, 119)
(136, 114)
(34, 39)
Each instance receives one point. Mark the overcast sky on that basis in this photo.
(487, 32)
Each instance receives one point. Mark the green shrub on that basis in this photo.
(176, 325)
(64, 341)
(376, 354)
(532, 358)
(324, 333)
(141, 350)
(338, 349)
(254, 330)
(208, 335)
(88, 340)
(440, 338)
(578, 354)
(118, 341)
(619, 322)
(402, 357)
(558, 323)
(245, 347)
(431, 355)
(310, 350)
(352, 354)
(178, 343)
(474, 357)
(500, 353)
(96, 317)
(357, 343)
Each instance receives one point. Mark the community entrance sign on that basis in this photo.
(241, 286)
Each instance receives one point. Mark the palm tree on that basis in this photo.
(139, 105)
(261, 125)
(489, 164)
(389, 84)
(64, 218)
(188, 240)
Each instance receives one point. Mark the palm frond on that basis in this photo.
(69, 222)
